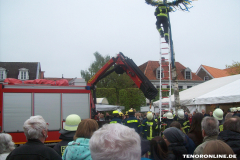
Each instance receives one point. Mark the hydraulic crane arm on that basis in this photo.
(124, 64)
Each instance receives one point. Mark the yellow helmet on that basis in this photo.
(115, 112)
(120, 114)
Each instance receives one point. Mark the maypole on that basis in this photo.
(174, 5)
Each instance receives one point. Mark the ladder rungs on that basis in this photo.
(164, 84)
(165, 60)
(165, 48)
(165, 104)
(164, 54)
(165, 97)
(165, 78)
(165, 91)
(164, 65)
(164, 42)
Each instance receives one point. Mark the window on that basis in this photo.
(206, 78)
(189, 86)
(180, 87)
(168, 86)
(158, 73)
(188, 73)
(23, 74)
(158, 87)
(3, 74)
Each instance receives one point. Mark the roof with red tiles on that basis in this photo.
(149, 69)
(215, 72)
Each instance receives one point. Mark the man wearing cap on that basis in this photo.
(133, 122)
(67, 133)
(218, 114)
(116, 118)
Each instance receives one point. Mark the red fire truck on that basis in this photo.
(54, 103)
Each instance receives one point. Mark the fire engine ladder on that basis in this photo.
(164, 81)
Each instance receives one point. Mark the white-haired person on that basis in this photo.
(36, 131)
(6, 145)
(115, 142)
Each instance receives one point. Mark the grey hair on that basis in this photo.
(210, 125)
(115, 141)
(34, 126)
(6, 143)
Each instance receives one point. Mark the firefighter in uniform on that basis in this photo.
(161, 14)
(149, 127)
(183, 121)
(169, 119)
(133, 122)
(116, 118)
(218, 114)
(70, 127)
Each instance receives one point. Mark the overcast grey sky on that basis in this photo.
(63, 34)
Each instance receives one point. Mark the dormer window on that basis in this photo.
(3, 73)
(23, 74)
(188, 73)
(158, 73)
(206, 78)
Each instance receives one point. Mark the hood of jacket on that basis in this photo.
(78, 149)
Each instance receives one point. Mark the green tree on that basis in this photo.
(234, 68)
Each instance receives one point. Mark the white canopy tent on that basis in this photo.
(103, 105)
(215, 91)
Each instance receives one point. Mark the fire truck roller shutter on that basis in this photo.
(17, 108)
(76, 103)
(48, 105)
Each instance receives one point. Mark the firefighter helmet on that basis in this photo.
(115, 112)
(169, 115)
(180, 113)
(238, 109)
(218, 114)
(71, 123)
(149, 116)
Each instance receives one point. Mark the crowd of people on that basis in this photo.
(131, 136)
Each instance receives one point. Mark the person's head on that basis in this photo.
(36, 128)
(107, 114)
(180, 113)
(210, 126)
(149, 116)
(228, 115)
(72, 122)
(131, 112)
(176, 124)
(173, 135)
(190, 115)
(169, 115)
(115, 113)
(194, 112)
(196, 123)
(115, 141)
(232, 124)
(158, 148)
(203, 111)
(218, 114)
(217, 147)
(6, 143)
(210, 113)
(86, 128)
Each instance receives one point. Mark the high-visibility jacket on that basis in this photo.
(162, 10)
(116, 120)
(133, 122)
(150, 129)
(184, 123)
